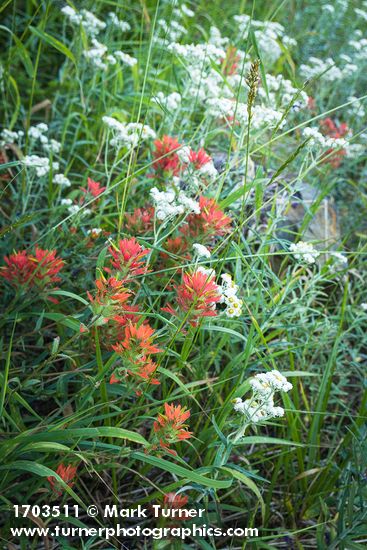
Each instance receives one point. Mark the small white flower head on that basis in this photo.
(304, 251)
(94, 233)
(364, 306)
(266, 383)
(62, 180)
(74, 209)
(51, 146)
(201, 250)
(340, 259)
(184, 154)
(115, 21)
(170, 102)
(66, 202)
(127, 134)
(8, 137)
(38, 131)
(41, 165)
(126, 58)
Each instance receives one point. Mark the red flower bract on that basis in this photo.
(128, 259)
(40, 269)
(138, 340)
(172, 500)
(165, 156)
(211, 222)
(170, 427)
(67, 474)
(199, 159)
(196, 296)
(94, 188)
(329, 128)
(140, 221)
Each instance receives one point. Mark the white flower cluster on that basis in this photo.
(66, 202)
(75, 208)
(195, 54)
(201, 251)
(9, 137)
(97, 56)
(195, 179)
(125, 58)
(41, 165)
(327, 70)
(262, 117)
(228, 290)
(281, 92)
(94, 232)
(304, 251)
(90, 23)
(169, 204)
(123, 26)
(170, 102)
(174, 30)
(127, 134)
(268, 35)
(260, 406)
(60, 179)
(38, 133)
(319, 140)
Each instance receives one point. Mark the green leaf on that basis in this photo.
(175, 469)
(256, 439)
(69, 295)
(53, 42)
(21, 51)
(249, 483)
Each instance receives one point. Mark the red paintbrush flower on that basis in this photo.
(196, 296)
(170, 427)
(138, 341)
(110, 299)
(176, 246)
(67, 474)
(127, 259)
(141, 371)
(48, 266)
(199, 159)
(175, 501)
(94, 188)
(211, 222)
(19, 268)
(165, 156)
(140, 221)
(39, 270)
(230, 63)
(329, 128)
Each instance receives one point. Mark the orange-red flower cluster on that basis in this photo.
(166, 159)
(110, 300)
(168, 162)
(39, 269)
(170, 427)
(329, 128)
(196, 297)
(230, 62)
(140, 221)
(67, 474)
(127, 259)
(93, 188)
(135, 350)
(211, 222)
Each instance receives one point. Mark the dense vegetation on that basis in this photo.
(183, 240)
